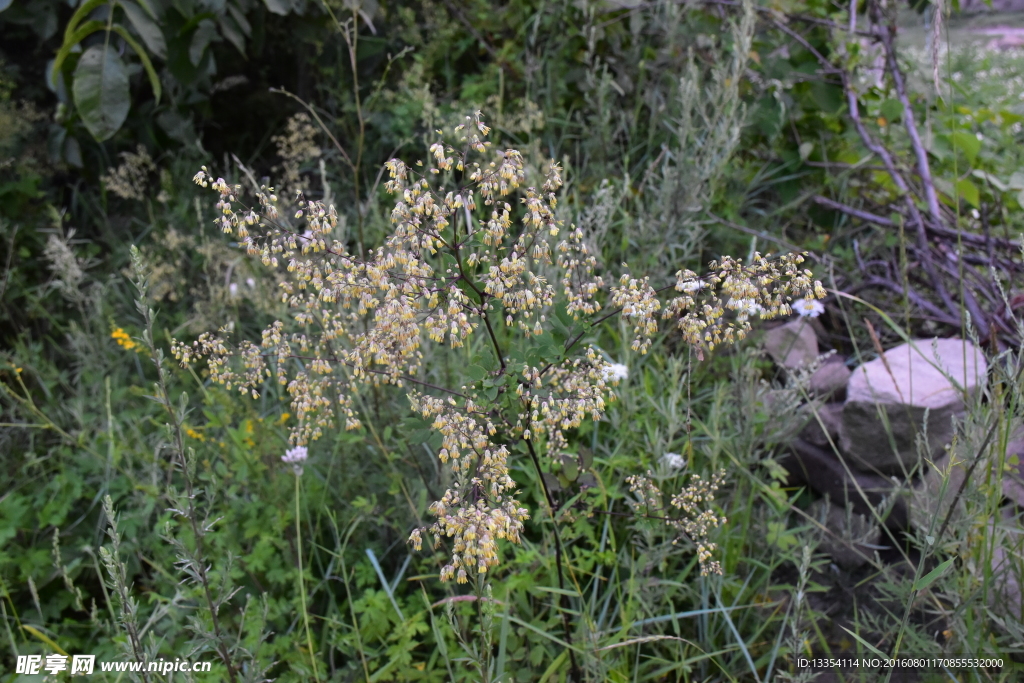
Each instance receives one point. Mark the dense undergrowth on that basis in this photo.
(145, 510)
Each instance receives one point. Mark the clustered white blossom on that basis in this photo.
(462, 258)
(809, 308)
(673, 461)
(295, 457)
(616, 372)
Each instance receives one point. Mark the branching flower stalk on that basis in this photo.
(194, 561)
(118, 573)
(461, 259)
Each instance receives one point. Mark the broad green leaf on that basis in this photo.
(100, 91)
(204, 35)
(969, 192)
(1016, 181)
(967, 143)
(239, 17)
(147, 29)
(154, 80)
(990, 179)
(891, 110)
(232, 33)
(87, 29)
(281, 7)
(929, 578)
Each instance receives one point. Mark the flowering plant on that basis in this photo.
(462, 260)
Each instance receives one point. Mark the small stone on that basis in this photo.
(904, 387)
(847, 536)
(831, 418)
(792, 345)
(829, 381)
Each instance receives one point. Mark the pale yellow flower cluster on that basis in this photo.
(481, 468)
(461, 254)
(694, 502)
(765, 287)
(559, 397)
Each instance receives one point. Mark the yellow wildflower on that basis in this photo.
(122, 338)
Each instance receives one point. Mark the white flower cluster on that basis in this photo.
(295, 457)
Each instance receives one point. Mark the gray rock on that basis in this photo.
(793, 344)
(829, 416)
(886, 402)
(829, 381)
(848, 536)
(826, 472)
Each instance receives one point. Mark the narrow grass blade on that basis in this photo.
(384, 582)
(45, 638)
(739, 638)
(874, 650)
(929, 578)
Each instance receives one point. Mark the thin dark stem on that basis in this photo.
(559, 552)
(923, 167)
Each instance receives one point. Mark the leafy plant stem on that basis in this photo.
(176, 429)
(302, 576)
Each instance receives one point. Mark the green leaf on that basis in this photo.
(871, 648)
(148, 29)
(232, 33)
(929, 578)
(891, 110)
(71, 41)
(101, 91)
(201, 39)
(239, 17)
(990, 179)
(78, 17)
(281, 7)
(570, 467)
(969, 192)
(154, 80)
(1016, 181)
(966, 143)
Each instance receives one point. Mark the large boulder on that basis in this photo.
(826, 472)
(792, 345)
(887, 400)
